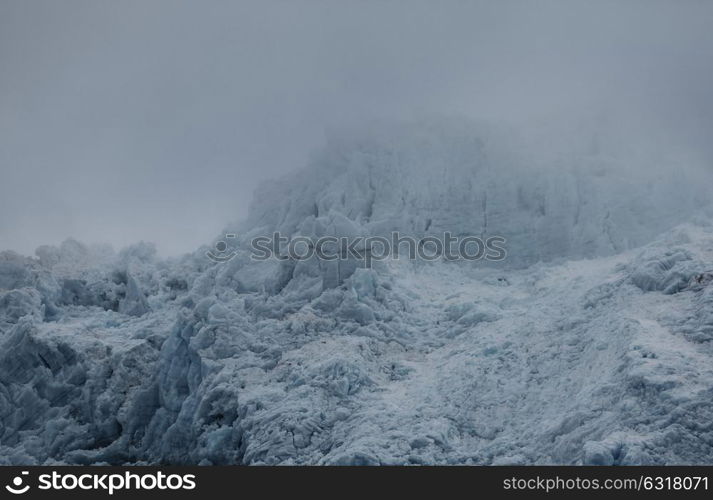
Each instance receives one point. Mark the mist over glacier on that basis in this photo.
(155, 122)
(550, 193)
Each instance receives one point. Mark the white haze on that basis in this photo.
(134, 120)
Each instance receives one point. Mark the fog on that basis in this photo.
(134, 120)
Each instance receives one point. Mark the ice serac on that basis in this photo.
(427, 178)
(590, 344)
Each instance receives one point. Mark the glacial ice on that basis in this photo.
(590, 344)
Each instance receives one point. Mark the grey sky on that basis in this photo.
(155, 119)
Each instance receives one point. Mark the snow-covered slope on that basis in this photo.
(599, 354)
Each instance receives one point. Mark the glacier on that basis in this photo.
(591, 343)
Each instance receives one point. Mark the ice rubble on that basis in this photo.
(600, 356)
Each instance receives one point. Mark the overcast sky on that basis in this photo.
(155, 119)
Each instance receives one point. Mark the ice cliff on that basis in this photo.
(590, 344)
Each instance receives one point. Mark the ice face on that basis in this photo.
(468, 179)
(588, 345)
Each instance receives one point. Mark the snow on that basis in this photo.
(590, 344)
